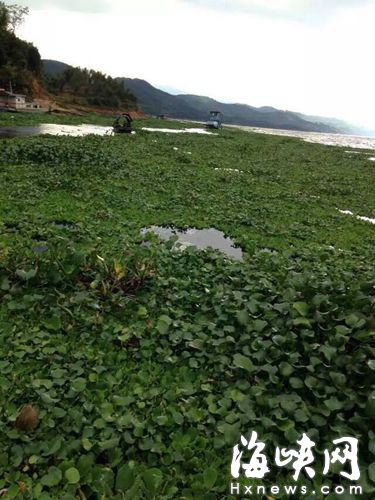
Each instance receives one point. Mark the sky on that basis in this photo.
(311, 56)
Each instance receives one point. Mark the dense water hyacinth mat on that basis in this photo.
(143, 366)
(200, 238)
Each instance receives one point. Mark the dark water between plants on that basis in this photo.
(54, 129)
(200, 238)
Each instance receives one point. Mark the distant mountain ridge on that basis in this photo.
(157, 102)
(154, 101)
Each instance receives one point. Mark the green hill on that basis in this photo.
(86, 87)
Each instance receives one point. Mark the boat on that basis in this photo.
(123, 124)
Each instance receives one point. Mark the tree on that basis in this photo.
(4, 17)
(16, 15)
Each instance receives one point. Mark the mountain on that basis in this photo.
(154, 101)
(54, 68)
(192, 107)
(84, 87)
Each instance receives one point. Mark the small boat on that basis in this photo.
(123, 124)
(121, 129)
(215, 120)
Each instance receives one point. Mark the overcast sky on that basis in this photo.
(312, 56)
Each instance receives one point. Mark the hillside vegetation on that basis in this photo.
(21, 69)
(20, 61)
(83, 86)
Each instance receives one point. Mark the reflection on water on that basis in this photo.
(54, 129)
(359, 217)
(179, 130)
(63, 224)
(351, 141)
(40, 249)
(200, 238)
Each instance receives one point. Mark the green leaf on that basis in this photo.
(86, 443)
(52, 478)
(296, 383)
(301, 322)
(286, 369)
(53, 323)
(302, 308)
(371, 472)
(109, 444)
(338, 379)
(152, 479)
(259, 325)
(197, 344)
(333, 404)
(242, 317)
(370, 406)
(209, 477)
(279, 340)
(72, 475)
(125, 478)
(241, 361)
(26, 275)
(163, 324)
(79, 384)
(4, 284)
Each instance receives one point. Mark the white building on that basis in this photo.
(11, 100)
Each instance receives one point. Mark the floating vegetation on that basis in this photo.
(146, 365)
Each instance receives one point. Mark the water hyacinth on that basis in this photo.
(147, 364)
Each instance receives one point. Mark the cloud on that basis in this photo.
(294, 10)
(86, 6)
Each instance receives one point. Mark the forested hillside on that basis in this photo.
(20, 61)
(84, 86)
(21, 70)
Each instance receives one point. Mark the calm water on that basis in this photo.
(55, 129)
(349, 141)
(201, 131)
(200, 238)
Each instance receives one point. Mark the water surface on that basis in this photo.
(200, 238)
(351, 141)
(179, 130)
(54, 129)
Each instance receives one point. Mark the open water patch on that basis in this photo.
(63, 224)
(54, 129)
(40, 249)
(359, 217)
(179, 130)
(329, 139)
(200, 238)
